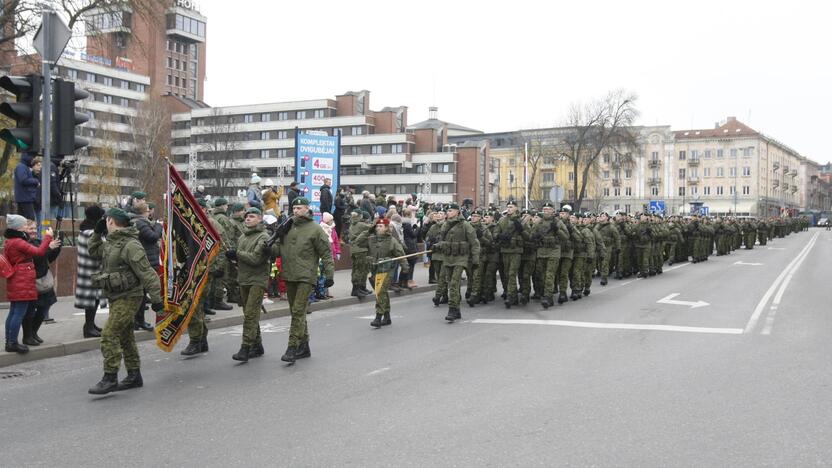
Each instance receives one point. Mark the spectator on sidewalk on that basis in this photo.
(328, 225)
(20, 286)
(45, 286)
(26, 187)
(254, 194)
(410, 233)
(87, 297)
(292, 193)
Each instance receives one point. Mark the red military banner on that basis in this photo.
(190, 244)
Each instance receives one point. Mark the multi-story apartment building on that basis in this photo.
(222, 147)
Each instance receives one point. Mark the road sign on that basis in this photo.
(58, 37)
(657, 206)
(556, 194)
(704, 211)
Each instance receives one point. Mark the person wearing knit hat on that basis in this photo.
(253, 194)
(358, 255)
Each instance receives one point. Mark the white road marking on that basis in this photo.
(692, 305)
(749, 264)
(770, 321)
(615, 326)
(677, 266)
(776, 248)
(752, 322)
(378, 371)
(775, 303)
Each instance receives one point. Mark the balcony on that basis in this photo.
(785, 169)
(616, 182)
(775, 183)
(794, 188)
(693, 161)
(693, 180)
(775, 166)
(654, 163)
(616, 164)
(785, 186)
(654, 180)
(793, 172)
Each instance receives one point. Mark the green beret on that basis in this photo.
(365, 214)
(220, 202)
(237, 207)
(452, 206)
(254, 210)
(300, 201)
(548, 205)
(139, 195)
(151, 205)
(511, 203)
(118, 214)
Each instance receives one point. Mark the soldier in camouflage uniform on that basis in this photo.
(566, 254)
(229, 242)
(660, 234)
(124, 277)
(674, 237)
(643, 244)
(510, 238)
(491, 254)
(626, 229)
(477, 281)
(214, 292)
(749, 233)
(549, 234)
(459, 247)
(527, 259)
(433, 236)
(594, 248)
(382, 246)
(236, 224)
(762, 231)
(612, 244)
(579, 251)
(359, 224)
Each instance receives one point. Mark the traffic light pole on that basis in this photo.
(46, 169)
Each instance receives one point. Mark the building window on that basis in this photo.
(319, 114)
(124, 84)
(746, 170)
(140, 88)
(282, 116)
(356, 150)
(706, 172)
(375, 149)
(548, 176)
(176, 81)
(72, 74)
(746, 190)
(681, 155)
(748, 152)
(681, 191)
(282, 134)
(397, 148)
(265, 117)
(357, 130)
(732, 190)
(264, 154)
(571, 176)
(732, 172)
(106, 99)
(606, 158)
(628, 191)
(681, 173)
(282, 153)
(706, 190)
(627, 208)
(720, 153)
(694, 154)
(719, 190)
(693, 190)
(300, 115)
(248, 118)
(125, 102)
(654, 191)
(654, 155)
(708, 154)
(91, 77)
(720, 172)
(606, 191)
(264, 135)
(616, 192)
(616, 207)
(606, 174)
(733, 152)
(442, 168)
(628, 173)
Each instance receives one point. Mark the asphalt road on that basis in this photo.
(615, 379)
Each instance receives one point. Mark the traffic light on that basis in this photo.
(66, 118)
(25, 112)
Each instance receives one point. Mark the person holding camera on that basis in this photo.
(125, 277)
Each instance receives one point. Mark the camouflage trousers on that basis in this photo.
(360, 269)
(216, 290)
(117, 340)
(527, 268)
(487, 276)
(453, 278)
(576, 276)
(547, 268)
(589, 268)
(750, 239)
(657, 256)
(669, 252)
(564, 270)
(605, 260)
(511, 267)
(252, 297)
(196, 326)
(763, 239)
(624, 266)
(231, 285)
(643, 257)
(298, 295)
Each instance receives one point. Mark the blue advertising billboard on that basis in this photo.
(317, 158)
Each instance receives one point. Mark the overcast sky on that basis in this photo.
(508, 65)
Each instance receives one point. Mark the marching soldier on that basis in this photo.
(238, 213)
(359, 224)
(433, 236)
(595, 248)
(549, 234)
(579, 250)
(489, 269)
(477, 281)
(382, 246)
(229, 241)
(612, 244)
(124, 277)
(762, 231)
(510, 238)
(527, 260)
(459, 247)
(214, 292)
(566, 255)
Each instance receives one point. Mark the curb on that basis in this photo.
(276, 310)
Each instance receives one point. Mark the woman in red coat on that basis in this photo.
(20, 287)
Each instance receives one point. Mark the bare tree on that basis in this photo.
(601, 125)
(219, 151)
(150, 138)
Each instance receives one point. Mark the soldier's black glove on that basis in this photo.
(231, 255)
(219, 273)
(101, 226)
(158, 307)
(329, 282)
(518, 225)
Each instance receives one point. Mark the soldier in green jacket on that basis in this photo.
(612, 244)
(459, 247)
(238, 213)
(477, 281)
(214, 292)
(359, 224)
(643, 242)
(762, 231)
(433, 234)
(490, 253)
(510, 237)
(566, 254)
(527, 259)
(300, 249)
(549, 234)
(229, 242)
(124, 277)
(579, 252)
(381, 247)
(749, 233)
(626, 229)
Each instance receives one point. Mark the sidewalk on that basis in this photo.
(64, 337)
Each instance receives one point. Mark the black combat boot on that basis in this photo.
(436, 300)
(222, 306)
(523, 299)
(15, 347)
(303, 351)
(242, 354)
(208, 311)
(289, 355)
(357, 292)
(257, 350)
(603, 281)
(376, 323)
(467, 294)
(510, 301)
(203, 345)
(536, 296)
(489, 298)
(193, 348)
(36, 323)
(385, 320)
(133, 380)
(444, 299)
(546, 302)
(562, 298)
(107, 384)
(453, 314)
(473, 300)
(574, 295)
(586, 292)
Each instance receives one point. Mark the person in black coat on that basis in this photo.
(326, 197)
(340, 211)
(411, 234)
(150, 233)
(292, 192)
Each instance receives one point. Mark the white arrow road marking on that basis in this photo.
(378, 371)
(692, 305)
(744, 263)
